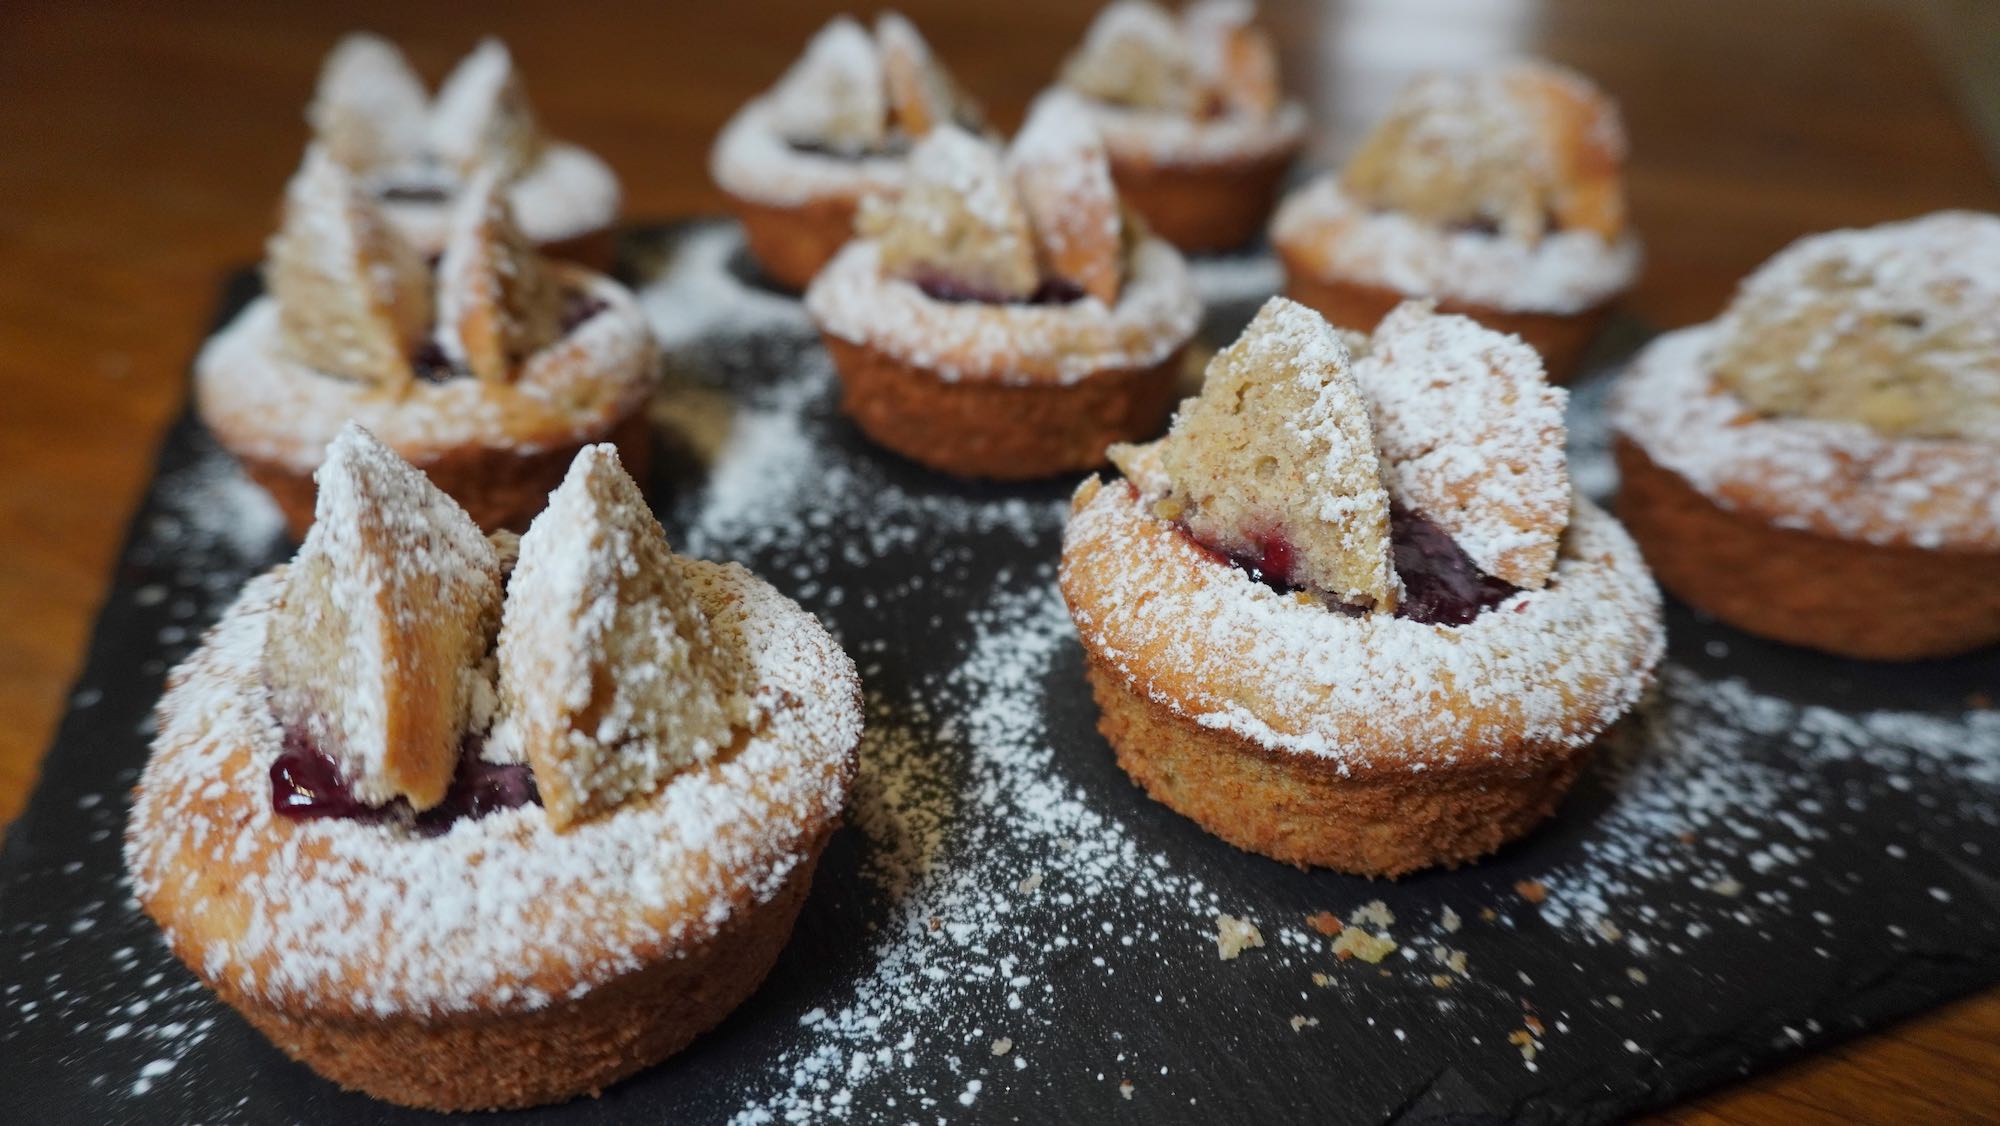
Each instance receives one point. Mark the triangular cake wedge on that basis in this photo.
(496, 303)
(1232, 55)
(354, 299)
(958, 219)
(834, 96)
(392, 600)
(1275, 460)
(1472, 437)
(482, 115)
(1060, 168)
(370, 107)
(1134, 55)
(921, 94)
(610, 677)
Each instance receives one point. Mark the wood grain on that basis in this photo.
(146, 144)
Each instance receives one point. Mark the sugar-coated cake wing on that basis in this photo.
(1275, 460)
(610, 676)
(482, 115)
(387, 607)
(1060, 168)
(370, 107)
(354, 299)
(496, 303)
(1471, 436)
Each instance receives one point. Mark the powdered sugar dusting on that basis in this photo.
(1724, 843)
(1835, 478)
(1471, 436)
(1155, 315)
(1567, 271)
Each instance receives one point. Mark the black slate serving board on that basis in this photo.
(1779, 850)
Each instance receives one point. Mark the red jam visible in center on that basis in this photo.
(306, 784)
(1441, 584)
(938, 287)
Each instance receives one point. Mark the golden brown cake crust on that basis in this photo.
(500, 487)
(1302, 811)
(1002, 431)
(1203, 206)
(792, 242)
(1560, 338)
(1848, 597)
(478, 1062)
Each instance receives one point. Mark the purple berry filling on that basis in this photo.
(306, 784)
(1441, 584)
(1054, 291)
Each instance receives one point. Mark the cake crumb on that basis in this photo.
(1534, 891)
(1233, 936)
(1125, 1089)
(1524, 1040)
(1373, 913)
(1029, 884)
(1300, 1023)
(1002, 1046)
(1357, 943)
(1322, 979)
(1325, 922)
(1450, 921)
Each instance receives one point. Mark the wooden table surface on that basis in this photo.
(143, 147)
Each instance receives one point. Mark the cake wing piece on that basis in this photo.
(1135, 55)
(354, 299)
(958, 220)
(921, 93)
(1472, 437)
(1060, 168)
(392, 599)
(1275, 461)
(834, 95)
(482, 115)
(496, 303)
(370, 107)
(1232, 55)
(609, 674)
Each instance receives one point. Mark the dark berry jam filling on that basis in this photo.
(894, 146)
(1441, 584)
(579, 306)
(307, 784)
(431, 365)
(414, 193)
(1054, 291)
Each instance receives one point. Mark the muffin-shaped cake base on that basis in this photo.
(1815, 532)
(493, 961)
(1203, 207)
(474, 1061)
(1008, 391)
(1561, 338)
(1368, 744)
(1001, 431)
(1846, 597)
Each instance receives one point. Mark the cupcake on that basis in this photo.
(797, 161)
(1349, 612)
(413, 155)
(1001, 317)
(489, 372)
(469, 823)
(1192, 113)
(1496, 194)
(1820, 464)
